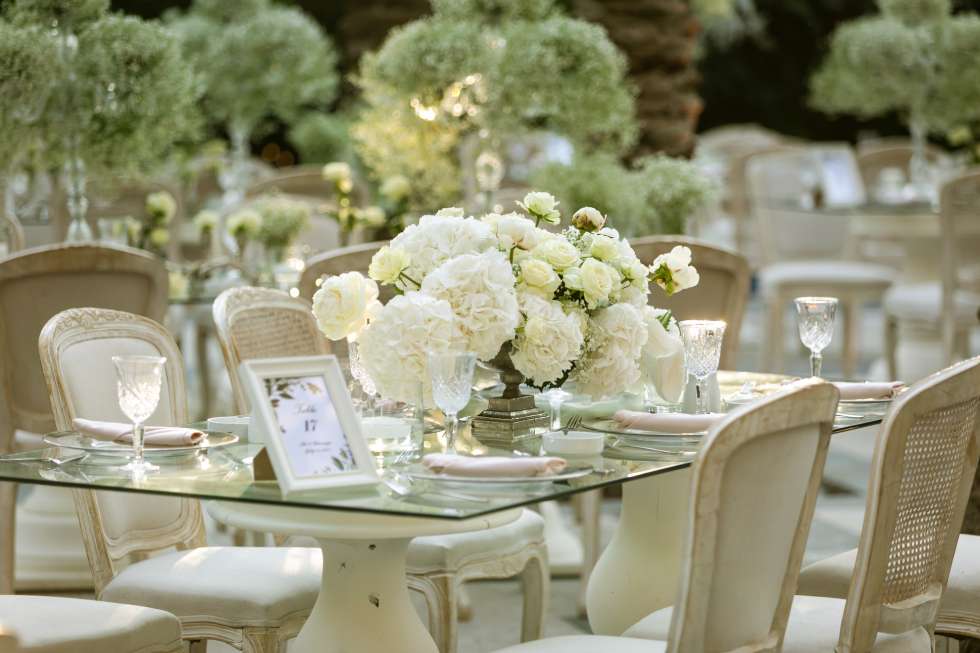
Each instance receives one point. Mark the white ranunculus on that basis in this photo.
(387, 264)
(337, 172)
(343, 304)
(558, 252)
(605, 249)
(450, 212)
(514, 230)
(588, 219)
(612, 363)
(395, 345)
(161, 205)
(542, 206)
(539, 277)
(662, 360)
(598, 281)
(436, 239)
(549, 343)
(480, 289)
(673, 271)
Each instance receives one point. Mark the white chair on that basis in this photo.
(948, 306)
(253, 599)
(34, 285)
(802, 251)
(922, 472)
(355, 258)
(49, 624)
(745, 538)
(260, 323)
(11, 234)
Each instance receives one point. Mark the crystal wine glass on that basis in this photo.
(452, 381)
(139, 379)
(815, 318)
(361, 375)
(702, 351)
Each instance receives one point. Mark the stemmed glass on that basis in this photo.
(815, 318)
(452, 381)
(362, 377)
(702, 351)
(139, 379)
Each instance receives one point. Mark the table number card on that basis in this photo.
(314, 438)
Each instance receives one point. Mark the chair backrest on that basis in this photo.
(303, 180)
(921, 476)
(119, 198)
(754, 487)
(737, 202)
(721, 295)
(959, 216)
(355, 258)
(729, 141)
(11, 234)
(873, 158)
(76, 348)
(263, 323)
(35, 284)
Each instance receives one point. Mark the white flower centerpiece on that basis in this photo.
(547, 307)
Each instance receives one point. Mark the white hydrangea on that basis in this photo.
(480, 288)
(344, 303)
(612, 362)
(550, 342)
(436, 239)
(394, 347)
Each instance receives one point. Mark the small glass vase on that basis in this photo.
(78, 228)
(920, 173)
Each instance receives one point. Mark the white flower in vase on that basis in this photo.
(605, 248)
(673, 271)
(612, 363)
(161, 206)
(437, 239)
(344, 303)
(599, 281)
(388, 264)
(538, 277)
(588, 219)
(543, 207)
(514, 230)
(549, 343)
(557, 252)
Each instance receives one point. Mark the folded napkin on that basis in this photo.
(157, 436)
(667, 422)
(868, 390)
(491, 466)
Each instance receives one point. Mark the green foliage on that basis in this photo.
(599, 181)
(256, 63)
(60, 14)
(912, 12)
(28, 67)
(493, 10)
(675, 189)
(322, 137)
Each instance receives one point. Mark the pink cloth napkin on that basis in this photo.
(490, 466)
(158, 436)
(853, 391)
(666, 422)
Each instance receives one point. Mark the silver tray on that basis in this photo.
(78, 442)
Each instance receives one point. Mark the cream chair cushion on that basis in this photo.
(847, 273)
(250, 586)
(814, 626)
(587, 644)
(832, 577)
(47, 624)
(922, 302)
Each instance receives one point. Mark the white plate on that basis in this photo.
(421, 473)
(612, 427)
(79, 442)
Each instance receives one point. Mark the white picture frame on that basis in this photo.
(311, 431)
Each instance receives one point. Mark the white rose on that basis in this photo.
(387, 264)
(573, 278)
(542, 206)
(605, 248)
(515, 230)
(598, 281)
(337, 172)
(539, 277)
(343, 304)
(558, 252)
(673, 271)
(588, 219)
(450, 212)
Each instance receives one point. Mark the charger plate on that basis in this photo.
(78, 442)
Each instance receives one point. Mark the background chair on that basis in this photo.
(152, 550)
(802, 249)
(355, 258)
(744, 538)
(35, 284)
(874, 158)
(922, 475)
(438, 565)
(11, 234)
(111, 198)
(49, 624)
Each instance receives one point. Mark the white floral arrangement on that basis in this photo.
(571, 305)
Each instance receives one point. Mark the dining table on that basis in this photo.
(364, 532)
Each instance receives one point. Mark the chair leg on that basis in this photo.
(8, 511)
(260, 640)
(442, 605)
(891, 346)
(464, 607)
(590, 504)
(536, 579)
(197, 646)
(852, 318)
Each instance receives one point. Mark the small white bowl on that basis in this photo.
(235, 424)
(573, 443)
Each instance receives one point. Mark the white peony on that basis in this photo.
(450, 212)
(662, 360)
(387, 264)
(394, 347)
(599, 281)
(588, 219)
(436, 239)
(673, 271)
(612, 363)
(480, 289)
(550, 342)
(558, 252)
(344, 303)
(514, 230)
(539, 277)
(541, 206)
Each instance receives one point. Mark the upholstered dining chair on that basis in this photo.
(11, 234)
(721, 295)
(263, 323)
(35, 284)
(873, 159)
(114, 198)
(53, 624)
(354, 258)
(745, 536)
(949, 305)
(152, 551)
(794, 261)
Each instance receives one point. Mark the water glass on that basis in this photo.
(451, 374)
(815, 318)
(556, 397)
(702, 351)
(360, 374)
(138, 381)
